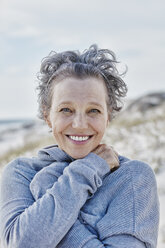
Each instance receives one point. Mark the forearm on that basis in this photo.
(79, 236)
(44, 222)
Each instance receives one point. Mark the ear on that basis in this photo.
(109, 117)
(49, 123)
(47, 120)
(108, 122)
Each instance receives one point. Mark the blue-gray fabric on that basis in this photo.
(55, 201)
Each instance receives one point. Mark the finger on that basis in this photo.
(114, 164)
(112, 148)
(116, 157)
(99, 148)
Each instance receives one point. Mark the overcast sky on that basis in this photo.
(30, 29)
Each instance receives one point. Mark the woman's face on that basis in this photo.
(78, 115)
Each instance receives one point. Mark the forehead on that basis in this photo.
(88, 89)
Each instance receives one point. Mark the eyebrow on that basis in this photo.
(91, 103)
(96, 103)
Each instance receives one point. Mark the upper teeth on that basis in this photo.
(79, 138)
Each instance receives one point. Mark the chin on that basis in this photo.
(78, 156)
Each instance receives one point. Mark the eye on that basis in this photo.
(95, 111)
(66, 110)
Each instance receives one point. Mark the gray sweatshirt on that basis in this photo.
(56, 201)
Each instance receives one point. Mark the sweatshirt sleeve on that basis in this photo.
(135, 207)
(132, 216)
(26, 222)
(79, 236)
(45, 178)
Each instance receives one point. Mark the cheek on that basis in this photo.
(57, 128)
(100, 126)
(59, 125)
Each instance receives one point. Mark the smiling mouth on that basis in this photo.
(79, 138)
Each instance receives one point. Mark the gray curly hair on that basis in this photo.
(93, 62)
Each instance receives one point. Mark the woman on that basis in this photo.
(79, 193)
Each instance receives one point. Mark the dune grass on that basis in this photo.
(28, 149)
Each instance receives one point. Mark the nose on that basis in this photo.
(79, 121)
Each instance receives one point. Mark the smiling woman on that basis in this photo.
(79, 192)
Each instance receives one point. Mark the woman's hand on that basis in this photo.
(108, 154)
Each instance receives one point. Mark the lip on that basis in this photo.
(79, 135)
